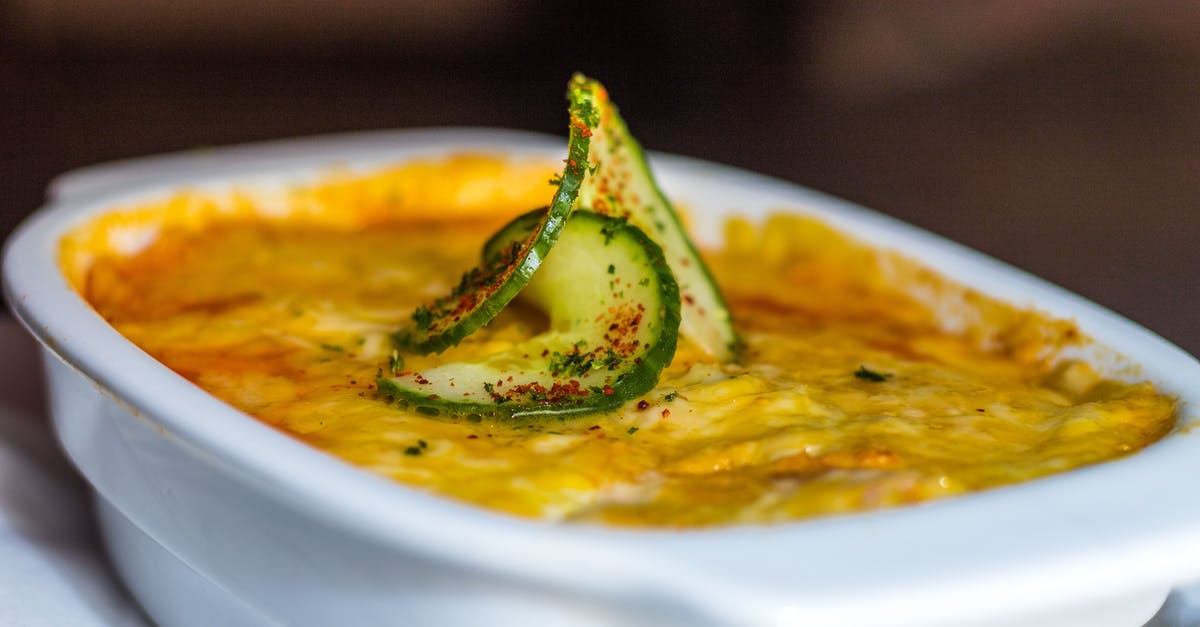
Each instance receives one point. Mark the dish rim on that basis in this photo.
(1051, 536)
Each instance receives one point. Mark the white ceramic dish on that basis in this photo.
(215, 518)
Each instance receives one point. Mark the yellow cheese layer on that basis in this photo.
(290, 322)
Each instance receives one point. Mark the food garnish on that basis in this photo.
(610, 335)
(612, 290)
(611, 294)
(867, 374)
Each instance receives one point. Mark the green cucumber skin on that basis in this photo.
(581, 96)
(640, 375)
(716, 317)
(517, 229)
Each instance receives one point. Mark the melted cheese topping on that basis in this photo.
(289, 321)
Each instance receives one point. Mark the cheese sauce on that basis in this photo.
(852, 394)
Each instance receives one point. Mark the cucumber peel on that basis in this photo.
(622, 185)
(614, 312)
(484, 291)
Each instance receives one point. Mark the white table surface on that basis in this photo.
(53, 570)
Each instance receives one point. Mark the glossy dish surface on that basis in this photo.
(200, 470)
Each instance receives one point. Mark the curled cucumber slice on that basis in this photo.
(614, 310)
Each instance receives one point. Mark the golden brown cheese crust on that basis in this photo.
(290, 322)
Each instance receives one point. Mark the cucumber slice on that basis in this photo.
(487, 289)
(622, 185)
(613, 306)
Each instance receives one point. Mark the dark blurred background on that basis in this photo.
(1062, 136)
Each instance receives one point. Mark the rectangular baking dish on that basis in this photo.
(214, 518)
